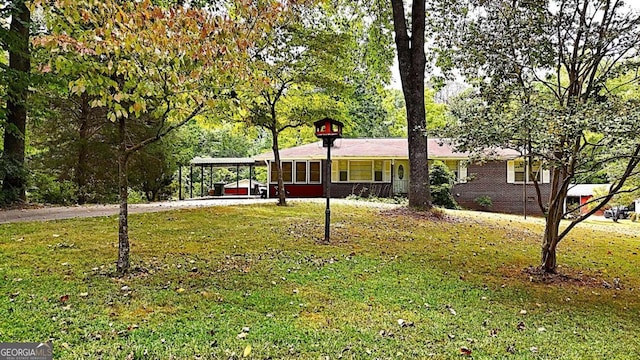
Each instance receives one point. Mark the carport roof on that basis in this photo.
(209, 161)
(585, 189)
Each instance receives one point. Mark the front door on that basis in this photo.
(401, 177)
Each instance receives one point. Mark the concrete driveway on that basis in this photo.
(68, 212)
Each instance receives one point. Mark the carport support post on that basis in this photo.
(250, 179)
(191, 182)
(201, 180)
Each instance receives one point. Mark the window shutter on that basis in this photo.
(462, 172)
(511, 174)
(335, 171)
(546, 176)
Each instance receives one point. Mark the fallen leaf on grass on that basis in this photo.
(64, 298)
(404, 323)
(247, 351)
(465, 351)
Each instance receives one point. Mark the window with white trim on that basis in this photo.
(300, 172)
(361, 171)
(520, 171)
(314, 172)
(377, 170)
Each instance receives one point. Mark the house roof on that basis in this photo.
(584, 189)
(373, 148)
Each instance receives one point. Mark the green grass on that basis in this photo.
(202, 275)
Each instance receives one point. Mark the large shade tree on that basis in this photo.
(13, 113)
(410, 44)
(554, 80)
(306, 66)
(151, 66)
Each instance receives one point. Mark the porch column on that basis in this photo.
(393, 168)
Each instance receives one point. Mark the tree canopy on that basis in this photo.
(552, 79)
(153, 68)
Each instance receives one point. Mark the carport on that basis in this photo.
(205, 166)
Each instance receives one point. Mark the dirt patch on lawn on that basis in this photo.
(567, 277)
(435, 215)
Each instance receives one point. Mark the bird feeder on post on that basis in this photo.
(328, 130)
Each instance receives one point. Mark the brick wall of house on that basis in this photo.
(490, 179)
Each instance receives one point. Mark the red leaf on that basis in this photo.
(64, 298)
(465, 351)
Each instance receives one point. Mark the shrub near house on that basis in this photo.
(441, 179)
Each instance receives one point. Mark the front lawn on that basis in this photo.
(227, 282)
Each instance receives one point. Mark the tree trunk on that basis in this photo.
(412, 63)
(419, 187)
(82, 169)
(14, 182)
(123, 186)
(549, 244)
(553, 218)
(282, 196)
